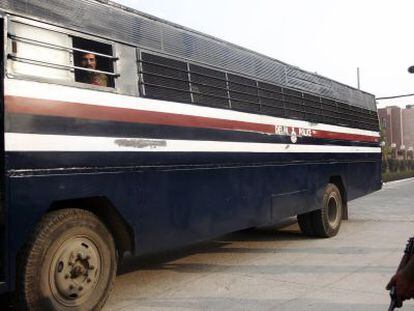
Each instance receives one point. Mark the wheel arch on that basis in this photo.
(103, 208)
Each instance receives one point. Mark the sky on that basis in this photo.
(330, 37)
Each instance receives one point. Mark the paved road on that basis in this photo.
(280, 269)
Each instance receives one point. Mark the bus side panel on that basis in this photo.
(171, 208)
(364, 178)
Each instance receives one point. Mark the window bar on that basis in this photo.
(163, 66)
(303, 105)
(228, 89)
(284, 102)
(58, 47)
(190, 86)
(141, 81)
(322, 116)
(258, 95)
(58, 66)
(183, 91)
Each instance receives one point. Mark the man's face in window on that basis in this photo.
(88, 61)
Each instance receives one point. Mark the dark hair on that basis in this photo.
(103, 63)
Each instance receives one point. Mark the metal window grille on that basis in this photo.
(25, 40)
(169, 79)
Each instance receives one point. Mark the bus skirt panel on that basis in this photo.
(176, 205)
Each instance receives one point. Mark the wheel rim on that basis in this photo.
(333, 211)
(75, 270)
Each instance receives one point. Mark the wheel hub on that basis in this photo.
(332, 211)
(74, 272)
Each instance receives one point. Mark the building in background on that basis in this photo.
(391, 124)
(397, 125)
(408, 126)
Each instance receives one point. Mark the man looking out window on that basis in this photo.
(89, 61)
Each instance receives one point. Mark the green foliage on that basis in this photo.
(393, 169)
(385, 166)
(397, 175)
(392, 165)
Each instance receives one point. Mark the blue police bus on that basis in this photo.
(124, 133)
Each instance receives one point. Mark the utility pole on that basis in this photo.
(358, 81)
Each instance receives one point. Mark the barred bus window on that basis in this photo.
(37, 53)
(177, 80)
(164, 78)
(94, 62)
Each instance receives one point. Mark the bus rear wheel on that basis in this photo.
(69, 263)
(326, 221)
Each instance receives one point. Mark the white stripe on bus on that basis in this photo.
(14, 87)
(21, 142)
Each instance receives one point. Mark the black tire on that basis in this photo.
(326, 221)
(69, 263)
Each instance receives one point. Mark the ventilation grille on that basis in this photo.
(169, 79)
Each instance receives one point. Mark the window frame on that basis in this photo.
(70, 49)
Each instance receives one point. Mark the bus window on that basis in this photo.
(94, 62)
(38, 52)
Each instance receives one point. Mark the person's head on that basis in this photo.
(88, 60)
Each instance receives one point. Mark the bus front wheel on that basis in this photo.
(326, 221)
(69, 263)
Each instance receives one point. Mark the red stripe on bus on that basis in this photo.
(15, 104)
(24, 105)
(343, 136)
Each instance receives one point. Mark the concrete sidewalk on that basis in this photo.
(281, 269)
